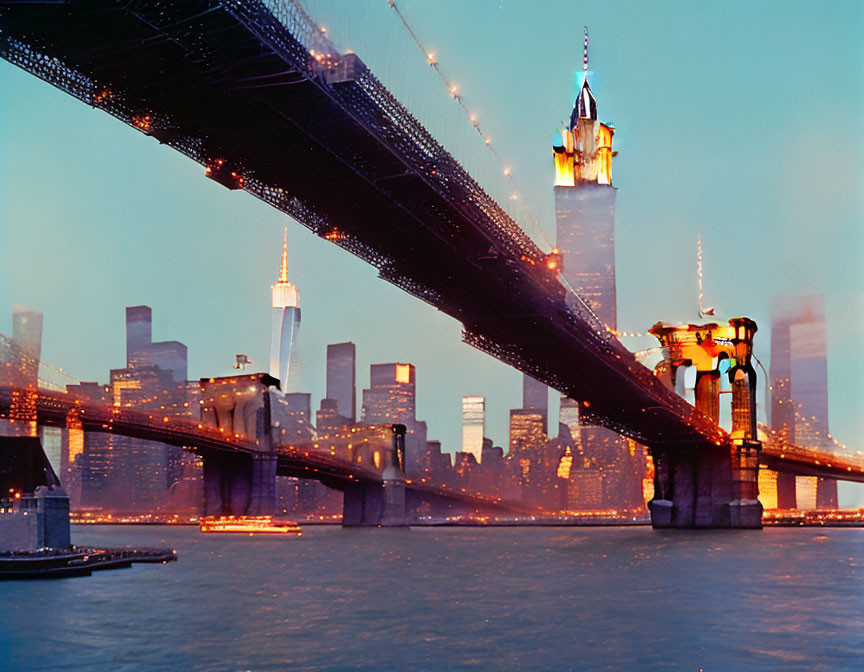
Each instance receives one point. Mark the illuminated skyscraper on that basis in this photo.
(799, 394)
(585, 226)
(391, 395)
(535, 395)
(585, 205)
(526, 430)
(391, 398)
(286, 325)
(473, 425)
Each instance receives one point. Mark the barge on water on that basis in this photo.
(76, 561)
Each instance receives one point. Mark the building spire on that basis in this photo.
(585, 58)
(586, 106)
(283, 268)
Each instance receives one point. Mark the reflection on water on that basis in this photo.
(452, 599)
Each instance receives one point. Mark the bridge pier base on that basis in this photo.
(262, 501)
(239, 485)
(380, 504)
(362, 505)
(711, 488)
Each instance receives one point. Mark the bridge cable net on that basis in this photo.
(822, 437)
(377, 109)
(418, 87)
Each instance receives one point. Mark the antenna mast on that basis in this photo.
(585, 57)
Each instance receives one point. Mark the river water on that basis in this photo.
(452, 599)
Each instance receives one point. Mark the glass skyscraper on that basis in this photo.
(286, 325)
(799, 392)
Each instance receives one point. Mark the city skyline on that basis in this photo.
(440, 361)
(538, 396)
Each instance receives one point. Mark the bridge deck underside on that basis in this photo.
(224, 81)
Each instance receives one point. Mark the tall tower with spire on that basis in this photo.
(286, 325)
(585, 228)
(585, 204)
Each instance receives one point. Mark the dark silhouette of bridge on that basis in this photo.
(239, 85)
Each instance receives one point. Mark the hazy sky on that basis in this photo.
(741, 120)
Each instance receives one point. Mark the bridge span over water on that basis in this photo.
(58, 409)
(239, 85)
(236, 453)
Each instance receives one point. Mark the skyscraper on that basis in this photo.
(141, 350)
(341, 378)
(391, 395)
(585, 227)
(391, 398)
(473, 425)
(535, 395)
(585, 205)
(27, 331)
(526, 430)
(568, 418)
(286, 324)
(799, 390)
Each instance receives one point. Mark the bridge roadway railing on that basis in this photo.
(781, 455)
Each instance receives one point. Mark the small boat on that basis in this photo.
(249, 525)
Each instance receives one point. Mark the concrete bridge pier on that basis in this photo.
(262, 496)
(362, 504)
(239, 485)
(709, 485)
(227, 484)
(243, 484)
(745, 509)
(380, 504)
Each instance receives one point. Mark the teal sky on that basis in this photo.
(739, 120)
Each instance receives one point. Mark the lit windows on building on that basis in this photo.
(473, 425)
(391, 396)
(535, 395)
(767, 487)
(527, 429)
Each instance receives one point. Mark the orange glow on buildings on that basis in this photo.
(403, 373)
(584, 154)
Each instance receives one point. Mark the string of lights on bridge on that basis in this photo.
(452, 89)
(841, 446)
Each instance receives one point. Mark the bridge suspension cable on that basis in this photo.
(453, 91)
(798, 416)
